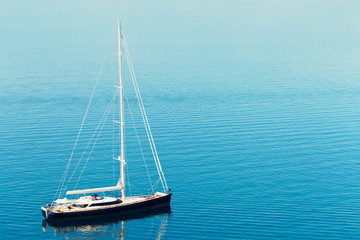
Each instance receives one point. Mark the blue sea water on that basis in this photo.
(254, 107)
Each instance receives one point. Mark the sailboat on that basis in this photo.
(87, 202)
(66, 225)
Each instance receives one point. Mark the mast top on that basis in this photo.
(119, 28)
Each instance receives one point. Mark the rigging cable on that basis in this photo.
(141, 150)
(146, 123)
(102, 121)
(63, 178)
(87, 160)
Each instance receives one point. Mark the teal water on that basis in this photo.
(254, 107)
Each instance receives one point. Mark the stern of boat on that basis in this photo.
(46, 212)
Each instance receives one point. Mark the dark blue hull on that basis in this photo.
(110, 210)
(63, 224)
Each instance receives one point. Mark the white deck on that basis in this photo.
(75, 205)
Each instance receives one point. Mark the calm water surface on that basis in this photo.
(254, 107)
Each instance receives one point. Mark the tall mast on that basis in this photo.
(122, 122)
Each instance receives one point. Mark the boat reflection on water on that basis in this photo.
(102, 224)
